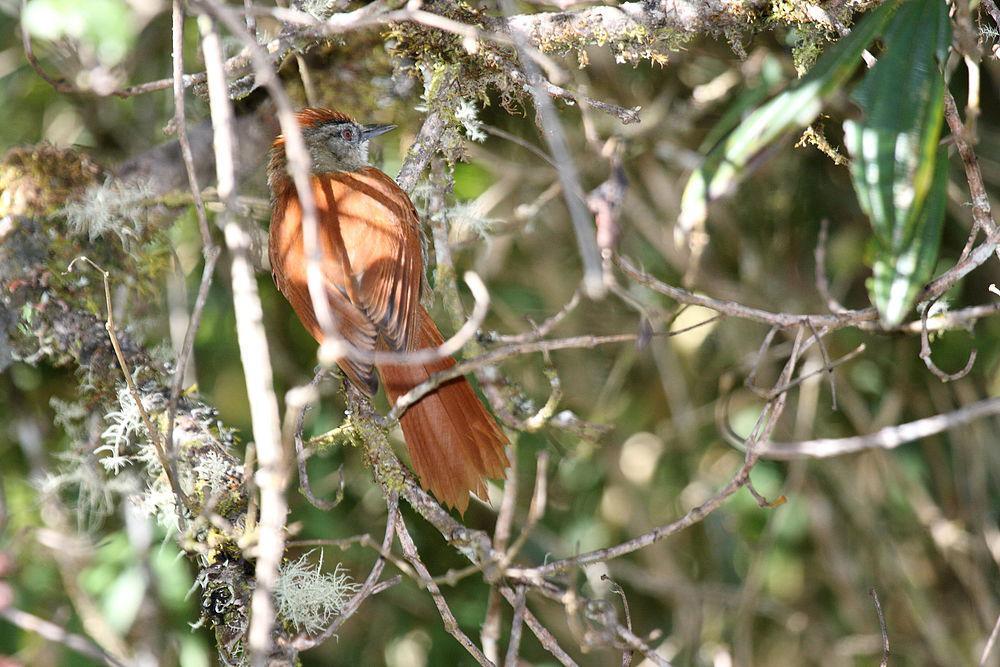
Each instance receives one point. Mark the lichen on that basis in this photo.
(309, 598)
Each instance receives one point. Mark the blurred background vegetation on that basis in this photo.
(782, 586)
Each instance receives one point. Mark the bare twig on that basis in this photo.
(828, 367)
(209, 249)
(450, 624)
(271, 476)
(992, 639)
(547, 640)
(733, 309)
(617, 590)
(546, 327)
(925, 351)
(54, 633)
(535, 510)
(489, 358)
(155, 437)
(551, 129)
(59, 85)
(981, 213)
(889, 437)
(866, 319)
(881, 626)
(853, 354)
(514, 645)
(490, 634)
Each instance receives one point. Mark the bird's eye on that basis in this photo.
(347, 134)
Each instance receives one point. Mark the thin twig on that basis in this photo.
(297, 403)
(155, 437)
(616, 589)
(514, 644)
(925, 351)
(981, 212)
(536, 510)
(546, 638)
(546, 327)
(548, 123)
(505, 352)
(827, 365)
(889, 437)
(54, 633)
(856, 352)
(209, 250)
(490, 634)
(992, 639)
(450, 624)
(59, 85)
(881, 626)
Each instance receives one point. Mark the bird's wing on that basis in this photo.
(380, 230)
(289, 266)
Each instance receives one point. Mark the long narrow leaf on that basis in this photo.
(895, 155)
(794, 108)
(900, 273)
(894, 144)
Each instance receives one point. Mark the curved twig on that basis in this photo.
(925, 351)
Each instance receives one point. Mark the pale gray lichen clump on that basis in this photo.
(309, 598)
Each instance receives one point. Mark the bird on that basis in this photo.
(373, 270)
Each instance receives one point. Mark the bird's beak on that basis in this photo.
(369, 131)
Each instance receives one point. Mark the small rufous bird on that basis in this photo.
(374, 296)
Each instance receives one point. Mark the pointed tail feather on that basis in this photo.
(454, 443)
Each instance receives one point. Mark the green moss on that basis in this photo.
(38, 180)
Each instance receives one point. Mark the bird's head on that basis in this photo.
(336, 142)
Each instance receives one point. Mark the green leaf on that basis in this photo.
(895, 157)
(768, 81)
(794, 108)
(902, 99)
(900, 273)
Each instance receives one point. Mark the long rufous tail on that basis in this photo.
(454, 443)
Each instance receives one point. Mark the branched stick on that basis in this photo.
(889, 437)
(555, 137)
(767, 423)
(450, 624)
(272, 473)
(209, 250)
(155, 437)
